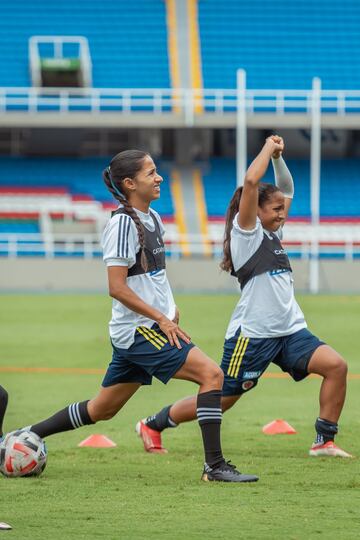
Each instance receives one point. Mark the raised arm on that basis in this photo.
(283, 178)
(248, 206)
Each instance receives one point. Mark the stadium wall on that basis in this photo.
(186, 275)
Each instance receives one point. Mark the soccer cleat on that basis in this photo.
(328, 449)
(226, 472)
(151, 438)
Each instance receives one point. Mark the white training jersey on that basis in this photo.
(120, 243)
(267, 307)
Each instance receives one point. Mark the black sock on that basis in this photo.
(209, 416)
(3, 404)
(72, 417)
(161, 420)
(325, 430)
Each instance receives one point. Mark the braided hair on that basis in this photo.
(126, 164)
(265, 193)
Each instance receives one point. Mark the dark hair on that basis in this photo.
(265, 193)
(126, 164)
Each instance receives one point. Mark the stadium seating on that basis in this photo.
(340, 187)
(281, 45)
(79, 178)
(128, 46)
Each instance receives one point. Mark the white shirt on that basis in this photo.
(120, 243)
(267, 307)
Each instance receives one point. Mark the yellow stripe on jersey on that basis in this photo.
(157, 336)
(241, 357)
(234, 355)
(141, 331)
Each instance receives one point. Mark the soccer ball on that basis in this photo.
(22, 453)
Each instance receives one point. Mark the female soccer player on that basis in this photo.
(267, 324)
(145, 336)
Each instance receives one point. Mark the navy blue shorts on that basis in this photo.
(151, 355)
(245, 359)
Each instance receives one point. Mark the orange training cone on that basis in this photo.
(98, 441)
(277, 427)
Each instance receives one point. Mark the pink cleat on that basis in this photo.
(150, 438)
(328, 449)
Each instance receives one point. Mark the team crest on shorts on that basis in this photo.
(247, 385)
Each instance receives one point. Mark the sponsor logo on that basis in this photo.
(279, 251)
(156, 251)
(247, 385)
(278, 271)
(251, 374)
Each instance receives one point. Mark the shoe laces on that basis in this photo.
(228, 465)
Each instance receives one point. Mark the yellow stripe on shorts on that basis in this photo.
(157, 336)
(239, 341)
(141, 330)
(241, 357)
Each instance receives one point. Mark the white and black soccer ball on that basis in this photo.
(22, 453)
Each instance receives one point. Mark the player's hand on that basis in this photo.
(173, 332)
(280, 142)
(177, 315)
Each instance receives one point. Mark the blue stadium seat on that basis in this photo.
(79, 177)
(128, 40)
(280, 45)
(339, 195)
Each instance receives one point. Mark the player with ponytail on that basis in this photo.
(267, 324)
(146, 339)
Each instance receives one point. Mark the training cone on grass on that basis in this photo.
(278, 427)
(98, 441)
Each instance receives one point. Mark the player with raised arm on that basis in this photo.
(267, 324)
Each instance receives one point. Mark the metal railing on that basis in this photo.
(87, 245)
(188, 102)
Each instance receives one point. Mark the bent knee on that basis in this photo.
(336, 367)
(214, 376)
(98, 414)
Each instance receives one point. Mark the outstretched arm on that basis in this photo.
(248, 206)
(283, 178)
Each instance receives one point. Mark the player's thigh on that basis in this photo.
(110, 400)
(199, 368)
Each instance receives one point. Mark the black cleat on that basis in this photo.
(226, 472)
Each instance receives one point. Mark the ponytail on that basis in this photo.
(126, 165)
(265, 193)
(226, 263)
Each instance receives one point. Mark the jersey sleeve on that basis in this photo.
(244, 243)
(120, 241)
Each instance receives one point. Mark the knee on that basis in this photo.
(101, 412)
(337, 367)
(214, 377)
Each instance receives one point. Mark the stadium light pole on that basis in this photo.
(241, 131)
(315, 161)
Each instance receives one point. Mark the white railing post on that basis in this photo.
(189, 106)
(241, 127)
(315, 160)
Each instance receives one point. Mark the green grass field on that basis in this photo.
(124, 492)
